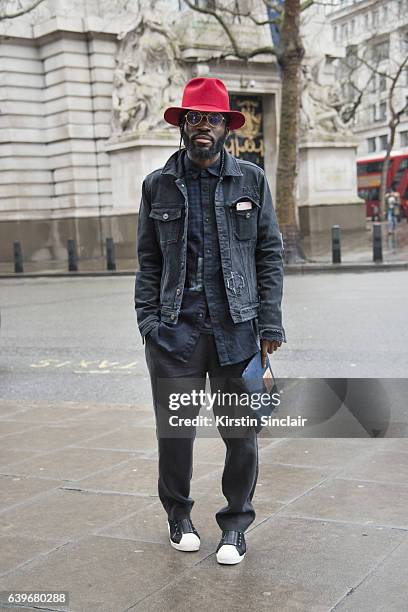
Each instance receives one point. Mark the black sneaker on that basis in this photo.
(183, 535)
(232, 547)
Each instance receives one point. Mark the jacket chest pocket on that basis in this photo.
(244, 218)
(168, 223)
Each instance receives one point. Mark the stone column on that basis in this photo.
(328, 187)
(26, 180)
(55, 180)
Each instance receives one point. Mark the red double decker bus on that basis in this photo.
(369, 170)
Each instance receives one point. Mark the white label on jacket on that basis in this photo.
(244, 205)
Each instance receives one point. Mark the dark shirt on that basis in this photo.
(201, 186)
(204, 308)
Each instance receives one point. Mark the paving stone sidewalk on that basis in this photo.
(79, 512)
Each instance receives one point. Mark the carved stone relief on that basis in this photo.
(149, 74)
(321, 105)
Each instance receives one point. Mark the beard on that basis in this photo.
(203, 152)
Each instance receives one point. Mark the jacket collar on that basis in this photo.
(175, 166)
(195, 171)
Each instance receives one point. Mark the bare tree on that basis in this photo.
(290, 57)
(365, 61)
(394, 121)
(10, 9)
(289, 54)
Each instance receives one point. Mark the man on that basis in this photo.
(209, 284)
(392, 205)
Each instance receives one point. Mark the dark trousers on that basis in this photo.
(176, 450)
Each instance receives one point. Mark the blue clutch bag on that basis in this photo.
(258, 380)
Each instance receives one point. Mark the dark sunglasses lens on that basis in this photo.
(215, 119)
(193, 118)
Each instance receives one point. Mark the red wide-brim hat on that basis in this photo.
(207, 95)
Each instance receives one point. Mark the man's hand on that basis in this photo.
(268, 346)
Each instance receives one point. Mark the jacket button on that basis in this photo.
(172, 317)
(248, 215)
(165, 216)
(178, 292)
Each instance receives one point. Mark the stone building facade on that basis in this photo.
(55, 179)
(75, 142)
(378, 30)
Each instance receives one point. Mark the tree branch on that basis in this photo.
(237, 51)
(374, 70)
(392, 89)
(248, 15)
(395, 115)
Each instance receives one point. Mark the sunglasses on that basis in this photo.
(194, 118)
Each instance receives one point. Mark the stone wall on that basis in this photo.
(63, 173)
(56, 86)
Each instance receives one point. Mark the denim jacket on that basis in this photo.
(249, 239)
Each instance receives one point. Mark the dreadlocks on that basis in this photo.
(182, 123)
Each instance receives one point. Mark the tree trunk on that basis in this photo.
(385, 166)
(290, 58)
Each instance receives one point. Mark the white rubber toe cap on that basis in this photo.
(229, 555)
(188, 543)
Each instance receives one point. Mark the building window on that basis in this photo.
(375, 18)
(404, 139)
(372, 84)
(383, 111)
(335, 33)
(352, 26)
(338, 72)
(371, 113)
(385, 14)
(366, 21)
(383, 142)
(383, 82)
(371, 145)
(404, 39)
(381, 51)
(351, 56)
(205, 4)
(344, 31)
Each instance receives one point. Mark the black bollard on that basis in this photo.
(72, 257)
(377, 243)
(110, 254)
(18, 258)
(336, 246)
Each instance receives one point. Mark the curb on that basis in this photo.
(60, 274)
(308, 268)
(317, 268)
